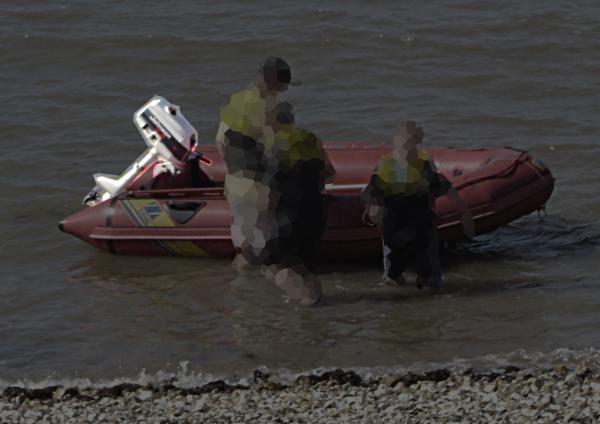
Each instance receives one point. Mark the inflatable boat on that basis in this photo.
(187, 214)
(170, 200)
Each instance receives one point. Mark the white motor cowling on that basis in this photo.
(164, 128)
(171, 141)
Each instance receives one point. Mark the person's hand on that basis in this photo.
(366, 218)
(372, 215)
(467, 223)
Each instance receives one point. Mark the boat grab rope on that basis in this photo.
(541, 213)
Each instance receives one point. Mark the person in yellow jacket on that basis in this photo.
(258, 142)
(303, 168)
(399, 199)
(245, 139)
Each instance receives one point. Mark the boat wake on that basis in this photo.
(532, 238)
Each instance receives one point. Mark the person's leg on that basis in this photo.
(394, 264)
(304, 288)
(310, 230)
(265, 230)
(427, 257)
(395, 254)
(243, 211)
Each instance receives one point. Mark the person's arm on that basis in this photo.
(444, 186)
(372, 198)
(328, 169)
(373, 215)
(466, 218)
(220, 138)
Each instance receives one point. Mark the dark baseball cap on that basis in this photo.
(276, 69)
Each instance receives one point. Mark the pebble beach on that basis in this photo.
(565, 393)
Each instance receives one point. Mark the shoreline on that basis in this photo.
(561, 394)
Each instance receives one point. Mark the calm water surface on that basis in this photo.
(473, 73)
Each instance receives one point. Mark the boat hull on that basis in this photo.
(188, 214)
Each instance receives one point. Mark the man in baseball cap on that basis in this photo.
(246, 140)
(277, 74)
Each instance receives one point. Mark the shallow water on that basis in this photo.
(473, 73)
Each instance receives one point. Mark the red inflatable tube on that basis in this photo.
(188, 214)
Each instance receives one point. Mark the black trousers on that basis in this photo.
(301, 212)
(408, 231)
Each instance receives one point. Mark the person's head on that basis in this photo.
(408, 135)
(281, 116)
(275, 73)
(285, 114)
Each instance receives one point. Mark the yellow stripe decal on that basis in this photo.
(150, 213)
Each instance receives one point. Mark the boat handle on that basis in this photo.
(131, 193)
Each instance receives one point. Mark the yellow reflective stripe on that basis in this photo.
(184, 248)
(150, 213)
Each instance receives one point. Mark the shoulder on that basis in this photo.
(247, 95)
(385, 169)
(427, 161)
(386, 161)
(424, 156)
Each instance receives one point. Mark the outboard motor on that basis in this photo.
(171, 142)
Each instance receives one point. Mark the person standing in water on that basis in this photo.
(244, 139)
(249, 139)
(301, 170)
(399, 199)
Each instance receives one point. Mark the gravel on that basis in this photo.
(513, 395)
